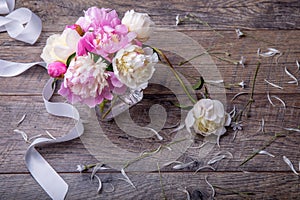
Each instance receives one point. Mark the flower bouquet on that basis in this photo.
(101, 59)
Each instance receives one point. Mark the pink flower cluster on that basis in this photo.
(86, 67)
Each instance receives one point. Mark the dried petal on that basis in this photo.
(100, 184)
(270, 53)
(21, 120)
(183, 165)
(274, 85)
(24, 135)
(155, 132)
(127, 178)
(239, 33)
(216, 159)
(238, 94)
(50, 135)
(276, 97)
(269, 98)
(178, 128)
(266, 153)
(188, 197)
(212, 188)
(177, 20)
(290, 164)
(292, 76)
(204, 167)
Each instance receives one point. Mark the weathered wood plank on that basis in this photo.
(219, 14)
(286, 41)
(64, 157)
(260, 185)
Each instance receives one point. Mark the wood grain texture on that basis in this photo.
(149, 187)
(266, 24)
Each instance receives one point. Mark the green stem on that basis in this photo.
(262, 148)
(176, 75)
(251, 99)
(161, 183)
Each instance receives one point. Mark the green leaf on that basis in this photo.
(184, 107)
(199, 84)
(110, 68)
(157, 53)
(54, 83)
(70, 58)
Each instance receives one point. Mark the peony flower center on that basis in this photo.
(131, 60)
(206, 126)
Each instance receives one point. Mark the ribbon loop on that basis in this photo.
(20, 24)
(6, 6)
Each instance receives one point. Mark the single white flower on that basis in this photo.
(134, 66)
(60, 47)
(208, 117)
(140, 23)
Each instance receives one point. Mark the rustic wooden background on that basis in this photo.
(276, 22)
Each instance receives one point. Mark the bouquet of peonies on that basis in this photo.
(101, 56)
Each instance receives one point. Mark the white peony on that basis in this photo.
(60, 47)
(134, 66)
(140, 23)
(208, 117)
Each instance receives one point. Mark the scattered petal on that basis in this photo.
(274, 85)
(200, 146)
(270, 53)
(50, 135)
(214, 81)
(183, 165)
(242, 84)
(155, 132)
(292, 76)
(216, 159)
(298, 65)
(21, 120)
(242, 61)
(33, 137)
(24, 135)
(100, 184)
(81, 168)
(292, 129)
(226, 153)
(188, 197)
(266, 153)
(258, 51)
(290, 164)
(239, 33)
(212, 188)
(127, 178)
(178, 128)
(237, 95)
(269, 98)
(204, 167)
(177, 20)
(171, 162)
(232, 112)
(276, 97)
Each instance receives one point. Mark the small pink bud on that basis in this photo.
(57, 69)
(77, 28)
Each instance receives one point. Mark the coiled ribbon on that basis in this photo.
(20, 24)
(39, 168)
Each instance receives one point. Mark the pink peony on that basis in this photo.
(88, 82)
(104, 33)
(57, 69)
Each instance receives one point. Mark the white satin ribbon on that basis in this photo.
(20, 24)
(39, 168)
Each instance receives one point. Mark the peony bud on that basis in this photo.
(57, 69)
